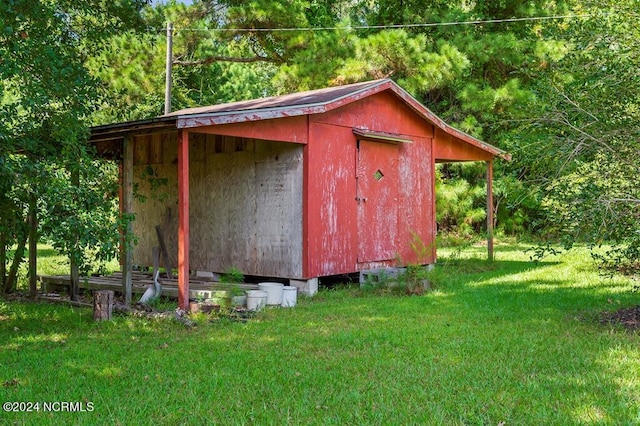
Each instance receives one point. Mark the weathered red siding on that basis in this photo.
(448, 148)
(314, 190)
(332, 228)
(330, 186)
(289, 129)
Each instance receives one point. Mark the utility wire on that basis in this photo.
(393, 26)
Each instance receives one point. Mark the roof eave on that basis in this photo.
(186, 121)
(431, 116)
(119, 130)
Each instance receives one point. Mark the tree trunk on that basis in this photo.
(10, 283)
(75, 252)
(102, 305)
(33, 246)
(3, 259)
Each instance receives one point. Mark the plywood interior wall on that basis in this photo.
(245, 203)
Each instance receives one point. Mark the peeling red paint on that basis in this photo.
(183, 219)
(367, 201)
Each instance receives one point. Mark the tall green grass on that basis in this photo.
(50, 262)
(510, 341)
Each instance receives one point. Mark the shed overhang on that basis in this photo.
(297, 104)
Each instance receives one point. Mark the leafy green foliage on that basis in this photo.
(46, 96)
(85, 226)
(460, 207)
(405, 57)
(588, 133)
(232, 276)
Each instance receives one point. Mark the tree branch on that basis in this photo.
(212, 59)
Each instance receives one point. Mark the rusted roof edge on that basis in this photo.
(229, 117)
(186, 121)
(239, 116)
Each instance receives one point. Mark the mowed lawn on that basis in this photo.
(513, 342)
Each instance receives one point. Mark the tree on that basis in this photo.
(208, 68)
(591, 118)
(46, 96)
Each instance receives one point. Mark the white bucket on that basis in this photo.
(289, 296)
(274, 292)
(256, 300)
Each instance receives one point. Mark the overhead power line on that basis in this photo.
(393, 26)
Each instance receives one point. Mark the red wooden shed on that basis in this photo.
(300, 186)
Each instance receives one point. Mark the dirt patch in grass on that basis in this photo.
(629, 318)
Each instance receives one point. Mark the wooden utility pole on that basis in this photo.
(168, 65)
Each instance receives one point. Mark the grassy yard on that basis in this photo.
(511, 342)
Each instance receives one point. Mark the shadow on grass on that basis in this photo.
(503, 267)
(500, 326)
(534, 287)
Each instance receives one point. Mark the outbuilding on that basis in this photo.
(296, 187)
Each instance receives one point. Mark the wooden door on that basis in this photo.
(377, 198)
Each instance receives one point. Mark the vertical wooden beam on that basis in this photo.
(3, 259)
(432, 173)
(33, 245)
(121, 212)
(127, 209)
(306, 191)
(75, 273)
(490, 210)
(183, 219)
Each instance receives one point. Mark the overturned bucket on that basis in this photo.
(274, 292)
(256, 300)
(289, 296)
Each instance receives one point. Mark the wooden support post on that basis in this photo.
(183, 219)
(490, 210)
(33, 245)
(102, 305)
(3, 259)
(75, 274)
(127, 209)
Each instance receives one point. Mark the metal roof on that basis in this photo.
(301, 103)
(307, 98)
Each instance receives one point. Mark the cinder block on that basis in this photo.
(307, 287)
(378, 274)
(206, 274)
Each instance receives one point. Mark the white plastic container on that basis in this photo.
(256, 300)
(274, 292)
(289, 296)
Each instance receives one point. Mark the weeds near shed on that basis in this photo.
(414, 280)
(232, 276)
